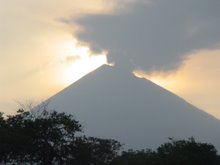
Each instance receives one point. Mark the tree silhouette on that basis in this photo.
(174, 152)
(50, 138)
(189, 151)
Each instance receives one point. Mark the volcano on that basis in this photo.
(112, 103)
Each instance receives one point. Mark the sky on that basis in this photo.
(47, 45)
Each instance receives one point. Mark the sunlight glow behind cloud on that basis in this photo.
(77, 60)
(31, 34)
(197, 81)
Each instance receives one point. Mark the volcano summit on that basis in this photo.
(113, 103)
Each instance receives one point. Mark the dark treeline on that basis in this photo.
(48, 137)
(174, 152)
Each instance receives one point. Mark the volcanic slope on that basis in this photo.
(113, 103)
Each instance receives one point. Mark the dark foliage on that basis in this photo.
(94, 151)
(175, 152)
(131, 157)
(46, 138)
(189, 151)
(51, 138)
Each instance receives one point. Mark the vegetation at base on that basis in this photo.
(48, 137)
(51, 138)
(174, 152)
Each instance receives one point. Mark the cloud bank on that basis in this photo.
(155, 36)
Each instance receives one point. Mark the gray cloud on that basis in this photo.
(155, 36)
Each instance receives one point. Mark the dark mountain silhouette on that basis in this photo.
(112, 103)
